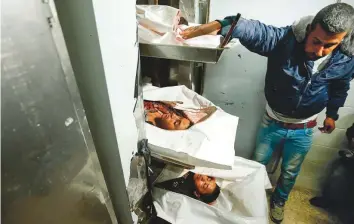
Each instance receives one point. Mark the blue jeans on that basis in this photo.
(296, 144)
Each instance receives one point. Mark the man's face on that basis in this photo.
(320, 43)
(204, 184)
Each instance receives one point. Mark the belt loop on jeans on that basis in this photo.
(305, 126)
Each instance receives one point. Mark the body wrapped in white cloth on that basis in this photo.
(186, 127)
(242, 198)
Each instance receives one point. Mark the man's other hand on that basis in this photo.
(328, 125)
(196, 31)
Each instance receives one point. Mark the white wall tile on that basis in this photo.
(336, 139)
(321, 155)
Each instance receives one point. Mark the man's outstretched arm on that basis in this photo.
(254, 35)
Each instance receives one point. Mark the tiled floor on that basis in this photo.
(299, 211)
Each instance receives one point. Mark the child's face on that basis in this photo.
(204, 184)
(172, 122)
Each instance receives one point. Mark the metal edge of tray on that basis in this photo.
(181, 53)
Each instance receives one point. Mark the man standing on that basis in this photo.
(310, 65)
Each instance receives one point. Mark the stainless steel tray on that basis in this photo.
(181, 53)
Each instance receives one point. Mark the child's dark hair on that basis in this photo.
(176, 111)
(171, 109)
(183, 21)
(209, 198)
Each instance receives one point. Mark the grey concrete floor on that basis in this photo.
(63, 207)
(299, 211)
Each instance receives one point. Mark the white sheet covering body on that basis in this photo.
(209, 143)
(242, 199)
(158, 24)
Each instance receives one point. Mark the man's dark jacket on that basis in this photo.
(290, 87)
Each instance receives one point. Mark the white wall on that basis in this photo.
(236, 83)
(120, 58)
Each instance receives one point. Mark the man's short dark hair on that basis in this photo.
(209, 198)
(335, 18)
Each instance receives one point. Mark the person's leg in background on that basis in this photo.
(296, 146)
